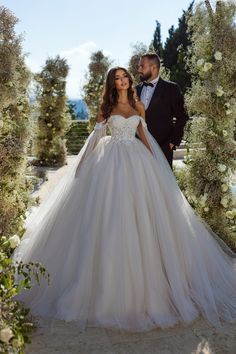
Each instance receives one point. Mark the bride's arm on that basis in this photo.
(141, 109)
(100, 120)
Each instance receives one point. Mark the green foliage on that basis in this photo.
(98, 67)
(176, 49)
(14, 128)
(71, 109)
(54, 119)
(15, 132)
(156, 43)
(15, 325)
(212, 100)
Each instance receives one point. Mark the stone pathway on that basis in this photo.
(199, 338)
(62, 337)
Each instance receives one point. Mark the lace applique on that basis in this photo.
(123, 130)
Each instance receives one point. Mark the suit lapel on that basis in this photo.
(156, 94)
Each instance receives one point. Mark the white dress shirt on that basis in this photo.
(147, 92)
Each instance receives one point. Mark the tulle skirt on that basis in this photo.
(124, 249)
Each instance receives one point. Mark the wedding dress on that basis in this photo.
(123, 247)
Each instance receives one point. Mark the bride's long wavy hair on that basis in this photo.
(110, 94)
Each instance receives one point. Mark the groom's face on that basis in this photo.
(144, 69)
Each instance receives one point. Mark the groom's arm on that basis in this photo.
(180, 114)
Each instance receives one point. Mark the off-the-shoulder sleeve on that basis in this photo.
(91, 142)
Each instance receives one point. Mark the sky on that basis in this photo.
(76, 28)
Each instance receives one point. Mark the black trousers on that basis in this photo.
(168, 152)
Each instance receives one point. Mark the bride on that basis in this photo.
(123, 247)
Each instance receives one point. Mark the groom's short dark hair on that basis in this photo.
(153, 57)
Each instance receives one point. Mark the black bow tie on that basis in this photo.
(147, 84)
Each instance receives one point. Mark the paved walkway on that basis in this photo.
(64, 337)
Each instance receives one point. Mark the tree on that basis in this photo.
(176, 49)
(156, 43)
(54, 118)
(98, 67)
(71, 109)
(14, 127)
(212, 100)
(138, 49)
(15, 131)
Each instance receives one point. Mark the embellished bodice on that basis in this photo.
(123, 129)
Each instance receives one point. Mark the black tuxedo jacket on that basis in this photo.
(166, 103)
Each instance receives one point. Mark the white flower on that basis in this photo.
(49, 124)
(224, 201)
(14, 241)
(224, 187)
(206, 67)
(218, 55)
(224, 132)
(206, 209)
(6, 334)
(229, 214)
(203, 199)
(227, 104)
(200, 62)
(221, 167)
(228, 112)
(219, 91)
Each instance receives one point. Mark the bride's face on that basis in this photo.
(121, 80)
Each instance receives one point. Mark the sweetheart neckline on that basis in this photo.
(119, 115)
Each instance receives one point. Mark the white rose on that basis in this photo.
(200, 62)
(224, 202)
(206, 67)
(203, 199)
(224, 187)
(6, 334)
(17, 342)
(229, 214)
(219, 91)
(224, 132)
(221, 167)
(218, 55)
(14, 241)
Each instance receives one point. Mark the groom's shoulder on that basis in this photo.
(168, 83)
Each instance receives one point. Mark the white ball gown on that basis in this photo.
(123, 247)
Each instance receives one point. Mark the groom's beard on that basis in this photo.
(145, 77)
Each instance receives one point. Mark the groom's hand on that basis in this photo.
(171, 146)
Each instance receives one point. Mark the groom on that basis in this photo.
(163, 102)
